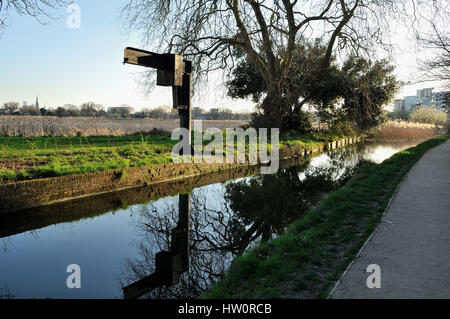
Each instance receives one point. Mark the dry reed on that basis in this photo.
(406, 130)
(29, 126)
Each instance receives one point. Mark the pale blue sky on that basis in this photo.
(73, 66)
(66, 65)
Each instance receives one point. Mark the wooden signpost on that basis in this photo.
(172, 70)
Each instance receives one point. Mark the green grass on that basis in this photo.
(310, 139)
(56, 156)
(21, 146)
(310, 257)
(37, 157)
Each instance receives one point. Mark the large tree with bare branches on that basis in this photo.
(438, 67)
(433, 38)
(35, 8)
(268, 33)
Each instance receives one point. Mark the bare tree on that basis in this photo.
(438, 67)
(91, 109)
(29, 110)
(10, 107)
(72, 110)
(35, 8)
(61, 111)
(214, 33)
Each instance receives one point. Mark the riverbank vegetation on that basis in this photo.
(28, 158)
(426, 115)
(395, 130)
(312, 254)
(423, 122)
(38, 157)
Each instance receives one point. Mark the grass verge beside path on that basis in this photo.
(310, 257)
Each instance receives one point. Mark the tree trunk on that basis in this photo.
(273, 109)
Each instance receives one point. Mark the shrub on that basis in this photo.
(399, 115)
(428, 115)
(342, 129)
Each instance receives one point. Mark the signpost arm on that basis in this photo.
(174, 71)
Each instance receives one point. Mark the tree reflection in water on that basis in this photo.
(225, 220)
(5, 293)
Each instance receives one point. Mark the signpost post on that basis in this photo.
(174, 71)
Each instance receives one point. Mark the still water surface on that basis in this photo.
(193, 237)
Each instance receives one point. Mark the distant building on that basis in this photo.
(399, 105)
(411, 102)
(442, 100)
(423, 97)
(25, 104)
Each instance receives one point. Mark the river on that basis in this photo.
(171, 247)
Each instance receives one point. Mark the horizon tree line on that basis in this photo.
(92, 109)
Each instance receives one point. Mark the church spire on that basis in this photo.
(38, 110)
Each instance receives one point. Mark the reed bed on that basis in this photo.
(406, 130)
(36, 126)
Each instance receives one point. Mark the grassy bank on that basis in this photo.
(36, 157)
(310, 257)
(28, 158)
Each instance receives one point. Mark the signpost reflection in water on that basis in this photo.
(169, 264)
